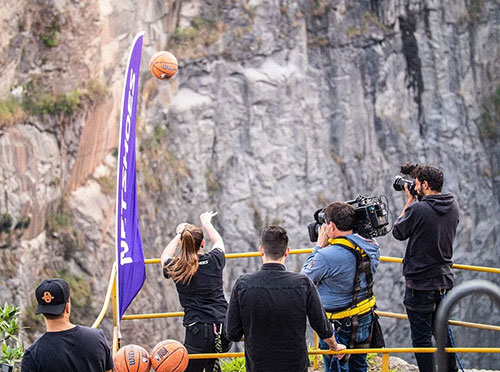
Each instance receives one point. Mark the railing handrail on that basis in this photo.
(385, 314)
(493, 270)
(384, 350)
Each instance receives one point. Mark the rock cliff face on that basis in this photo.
(278, 108)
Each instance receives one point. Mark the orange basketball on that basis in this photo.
(132, 358)
(169, 356)
(163, 65)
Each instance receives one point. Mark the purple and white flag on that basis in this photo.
(129, 253)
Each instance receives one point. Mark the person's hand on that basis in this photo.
(323, 233)
(206, 217)
(411, 198)
(180, 228)
(338, 347)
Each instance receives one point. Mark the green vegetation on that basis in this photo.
(233, 365)
(50, 36)
(11, 351)
(202, 32)
(31, 321)
(200, 28)
(61, 219)
(213, 185)
(489, 128)
(48, 103)
(10, 232)
(368, 19)
(81, 297)
(319, 41)
(474, 9)
(38, 100)
(108, 184)
(11, 112)
(96, 90)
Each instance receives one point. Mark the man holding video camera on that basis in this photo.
(430, 224)
(344, 282)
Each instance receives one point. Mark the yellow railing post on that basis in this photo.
(316, 345)
(385, 362)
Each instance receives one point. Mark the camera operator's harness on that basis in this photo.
(355, 309)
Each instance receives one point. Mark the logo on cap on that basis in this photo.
(47, 297)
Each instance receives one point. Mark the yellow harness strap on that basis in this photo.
(348, 243)
(361, 308)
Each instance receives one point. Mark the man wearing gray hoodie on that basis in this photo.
(430, 225)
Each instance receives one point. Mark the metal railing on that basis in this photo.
(111, 296)
(443, 313)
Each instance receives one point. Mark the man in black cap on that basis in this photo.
(65, 347)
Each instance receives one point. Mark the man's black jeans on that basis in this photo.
(421, 307)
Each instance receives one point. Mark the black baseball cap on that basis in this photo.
(52, 296)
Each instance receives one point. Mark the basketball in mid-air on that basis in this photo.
(169, 356)
(163, 65)
(132, 358)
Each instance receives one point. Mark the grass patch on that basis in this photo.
(48, 103)
(233, 365)
(11, 232)
(489, 128)
(318, 41)
(37, 99)
(60, 220)
(202, 32)
(213, 185)
(50, 36)
(11, 112)
(474, 10)
(108, 184)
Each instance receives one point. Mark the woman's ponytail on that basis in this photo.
(185, 264)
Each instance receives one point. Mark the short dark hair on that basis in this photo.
(341, 214)
(54, 317)
(274, 240)
(432, 175)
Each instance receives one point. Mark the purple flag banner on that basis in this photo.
(129, 253)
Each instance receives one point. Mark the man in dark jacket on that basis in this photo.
(270, 307)
(429, 224)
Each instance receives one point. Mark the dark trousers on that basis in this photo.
(200, 338)
(421, 307)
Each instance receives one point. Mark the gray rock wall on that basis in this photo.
(278, 108)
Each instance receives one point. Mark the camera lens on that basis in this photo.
(399, 183)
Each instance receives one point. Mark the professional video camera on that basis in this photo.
(371, 217)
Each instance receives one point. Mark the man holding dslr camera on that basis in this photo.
(430, 224)
(344, 281)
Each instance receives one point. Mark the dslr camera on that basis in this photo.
(399, 185)
(370, 219)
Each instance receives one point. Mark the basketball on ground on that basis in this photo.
(132, 358)
(169, 356)
(163, 65)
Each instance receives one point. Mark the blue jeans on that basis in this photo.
(421, 307)
(356, 362)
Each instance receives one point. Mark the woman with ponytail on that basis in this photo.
(198, 279)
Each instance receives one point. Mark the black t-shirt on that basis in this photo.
(203, 297)
(74, 350)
